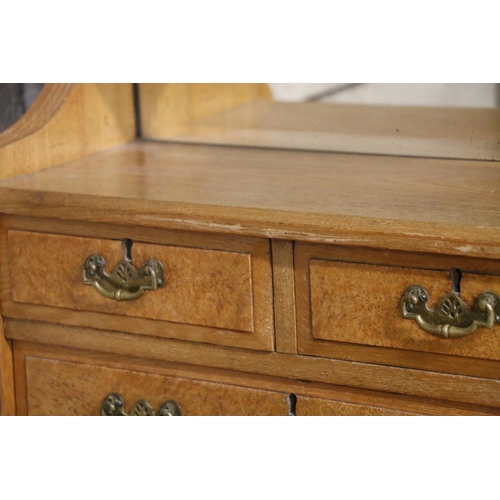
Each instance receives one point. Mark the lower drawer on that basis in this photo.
(59, 387)
(310, 406)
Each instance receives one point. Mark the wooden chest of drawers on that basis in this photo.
(281, 291)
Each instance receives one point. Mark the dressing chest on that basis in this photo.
(202, 250)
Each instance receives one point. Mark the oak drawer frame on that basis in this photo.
(262, 338)
(446, 363)
(342, 400)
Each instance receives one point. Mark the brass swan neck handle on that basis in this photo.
(125, 282)
(452, 317)
(113, 405)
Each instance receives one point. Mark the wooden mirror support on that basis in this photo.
(67, 122)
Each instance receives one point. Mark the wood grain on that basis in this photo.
(359, 303)
(165, 107)
(284, 296)
(344, 306)
(7, 395)
(204, 288)
(439, 206)
(51, 98)
(385, 130)
(307, 406)
(67, 122)
(323, 392)
(66, 388)
(437, 386)
(141, 326)
(7, 398)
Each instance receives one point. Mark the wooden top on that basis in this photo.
(418, 204)
(390, 130)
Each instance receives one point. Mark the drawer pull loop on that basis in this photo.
(124, 282)
(113, 405)
(452, 317)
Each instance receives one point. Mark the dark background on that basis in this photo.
(15, 100)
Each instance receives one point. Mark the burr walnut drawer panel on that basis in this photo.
(209, 295)
(354, 297)
(59, 387)
(311, 406)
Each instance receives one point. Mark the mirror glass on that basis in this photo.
(434, 120)
(15, 100)
(467, 95)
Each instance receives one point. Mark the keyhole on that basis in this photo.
(455, 277)
(127, 249)
(291, 400)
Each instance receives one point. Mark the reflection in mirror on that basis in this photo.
(468, 95)
(459, 121)
(15, 100)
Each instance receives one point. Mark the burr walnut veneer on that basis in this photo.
(282, 270)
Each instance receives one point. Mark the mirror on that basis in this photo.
(15, 100)
(458, 95)
(436, 120)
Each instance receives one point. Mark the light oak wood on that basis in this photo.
(220, 290)
(7, 398)
(191, 239)
(7, 395)
(437, 386)
(372, 213)
(67, 122)
(284, 296)
(385, 130)
(166, 107)
(351, 397)
(49, 101)
(438, 206)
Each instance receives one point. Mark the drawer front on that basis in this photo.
(57, 387)
(349, 302)
(212, 289)
(310, 406)
(54, 380)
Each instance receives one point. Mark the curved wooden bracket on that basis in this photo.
(46, 105)
(67, 122)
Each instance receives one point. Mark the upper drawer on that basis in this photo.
(348, 296)
(209, 294)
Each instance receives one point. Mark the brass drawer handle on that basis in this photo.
(113, 405)
(124, 282)
(452, 317)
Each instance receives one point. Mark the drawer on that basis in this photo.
(351, 297)
(342, 402)
(55, 386)
(53, 380)
(215, 290)
(311, 406)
